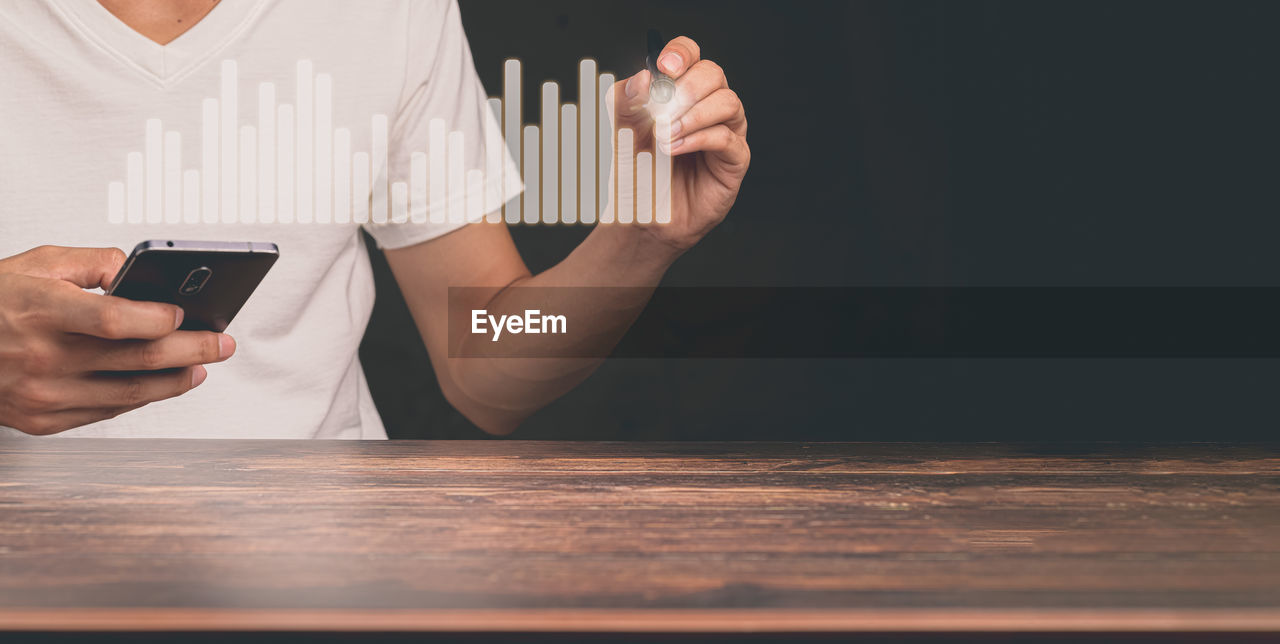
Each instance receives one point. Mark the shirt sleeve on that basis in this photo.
(443, 97)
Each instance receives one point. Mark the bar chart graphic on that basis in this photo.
(293, 164)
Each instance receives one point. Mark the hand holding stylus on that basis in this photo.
(708, 134)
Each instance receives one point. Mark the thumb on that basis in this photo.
(678, 56)
(84, 267)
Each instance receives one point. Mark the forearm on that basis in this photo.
(621, 265)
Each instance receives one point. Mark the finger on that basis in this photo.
(722, 106)
(176, 350)
(703, 80)
(111, 390)
(631, 95)
(61, 421)
(105, 316)
(679, 55)
(718, 140)
(84, 267)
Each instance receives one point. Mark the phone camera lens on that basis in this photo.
(195, 281)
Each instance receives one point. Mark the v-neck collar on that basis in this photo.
(168, 64)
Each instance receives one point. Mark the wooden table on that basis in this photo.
(518, 536)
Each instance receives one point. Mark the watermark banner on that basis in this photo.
(1085, 322)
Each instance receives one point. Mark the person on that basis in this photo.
(82, 76)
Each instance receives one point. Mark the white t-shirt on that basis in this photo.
(76, 88)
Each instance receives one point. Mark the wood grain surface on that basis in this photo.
(102, 534)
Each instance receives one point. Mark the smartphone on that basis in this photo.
(211, 281)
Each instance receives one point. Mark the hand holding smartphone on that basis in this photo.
(210, 281)
(73, 358)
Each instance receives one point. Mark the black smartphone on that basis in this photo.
(211, 281)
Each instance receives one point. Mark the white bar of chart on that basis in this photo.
(475, 195)
(154, 172)
(568, 164)
(191, 196)
(209, 142)
(248, 174)
(399, 202)
(587, 140)
(644, 188)
(531, 182)
(342, 176)
(437, 143)
(305, 145)
(662, 172)
(550, 152)
(296, 162)
(378, 156)
(626, 176)
(266, 153)
(286, 187)
(228, 106)
(324, 149)
(172, 177)
(494, 164)
(457, 174)
(512, 121)
(606, 206)
(418, 187)
(360, 187)
(136, 193)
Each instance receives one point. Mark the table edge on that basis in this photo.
(641, 620)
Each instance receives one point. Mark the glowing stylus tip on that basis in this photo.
(662, 91)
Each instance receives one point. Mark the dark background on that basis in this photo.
(927, 143)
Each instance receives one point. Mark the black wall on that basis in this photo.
(962, 143)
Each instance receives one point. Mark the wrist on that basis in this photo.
(633, 256)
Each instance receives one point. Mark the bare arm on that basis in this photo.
(710, 158)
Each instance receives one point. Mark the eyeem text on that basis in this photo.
(533, 321)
